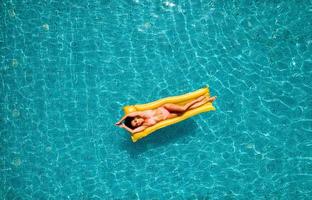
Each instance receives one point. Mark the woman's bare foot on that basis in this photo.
(200, 98)
(209, 99)
(212, 99)
(202, 102)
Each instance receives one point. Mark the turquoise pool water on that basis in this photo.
(68, 67)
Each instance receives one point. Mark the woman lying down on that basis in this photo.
(138, 121)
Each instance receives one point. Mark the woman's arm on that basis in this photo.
(139, 129)
(127, 128)
(133, 114)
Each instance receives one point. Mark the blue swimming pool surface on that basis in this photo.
(68, 67)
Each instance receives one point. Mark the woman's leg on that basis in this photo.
(177, 108)
(172, 115)
(196, 105)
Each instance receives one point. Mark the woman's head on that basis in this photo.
(134, 122)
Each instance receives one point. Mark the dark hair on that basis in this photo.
(128, 121)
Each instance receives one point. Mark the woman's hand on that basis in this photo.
(118, 123)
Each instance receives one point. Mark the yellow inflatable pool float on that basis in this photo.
(180, 100)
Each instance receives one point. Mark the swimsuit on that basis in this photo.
(151, 118)
(164, 112)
